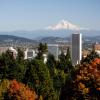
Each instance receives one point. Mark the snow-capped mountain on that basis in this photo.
(61, 29)
(64, 25)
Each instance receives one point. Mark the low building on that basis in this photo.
(30, 54)
(98, 52)
(96, 47)
(3, 49)
(85, 53)
(11, 49)
(45, 58)
(13, 52)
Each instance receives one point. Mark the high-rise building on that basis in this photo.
(76, 49)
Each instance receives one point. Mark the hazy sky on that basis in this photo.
(37, 14)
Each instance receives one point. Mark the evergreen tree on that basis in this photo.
(62, 62)
(10, 67)
(6, 61)
(37, 76)
(68, 60)
(20, 55)
(51, 62)
(41, 50)
(65, 61)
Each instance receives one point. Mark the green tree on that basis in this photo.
(6, 59)
(51, 62)
(57, 74)
(59, 79)
(37, 76)
(10, 67)
(20, 55)
(65, 61)
(41, 50)
(68, 60)
(62, 62)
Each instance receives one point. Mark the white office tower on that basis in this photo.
(76, 50)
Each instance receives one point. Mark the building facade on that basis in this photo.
(30, 54)
(12, 51)
(96, 47)
(76, 48)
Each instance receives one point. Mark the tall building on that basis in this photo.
(76, 49)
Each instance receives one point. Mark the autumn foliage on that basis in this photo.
(88, 79)
(83, 83)
(4, 85)
(14, 90)
(20, 91)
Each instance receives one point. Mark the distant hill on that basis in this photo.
(48, 36)
(11, 38)
(54, 39)
(38, 34)
(93, 38)
(86, 39)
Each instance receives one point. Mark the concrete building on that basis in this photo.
(76, 48)
(30, 54)
(13, 52)
(96, 47)
(3, 49)
(45, 58)
(85, 53)
(11, 49)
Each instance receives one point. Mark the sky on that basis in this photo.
(38, 14)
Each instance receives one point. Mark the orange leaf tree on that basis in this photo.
(13, 90)
(19, 91)
(84, 83)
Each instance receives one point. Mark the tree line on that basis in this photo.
(55, 80)
(45, 79)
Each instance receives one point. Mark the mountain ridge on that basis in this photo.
(9, 38)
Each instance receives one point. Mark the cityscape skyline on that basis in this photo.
(36, 14)
(49, 50)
